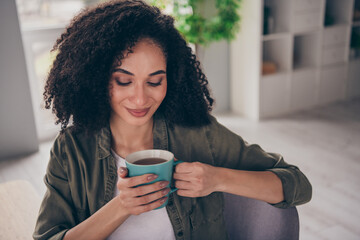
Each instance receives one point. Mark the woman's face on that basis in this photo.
(138, 85)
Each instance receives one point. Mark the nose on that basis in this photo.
(139, 97)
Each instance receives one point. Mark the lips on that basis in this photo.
(138, 112)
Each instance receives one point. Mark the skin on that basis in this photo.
(137, 87)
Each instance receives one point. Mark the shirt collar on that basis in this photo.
(160, 137)
(104, 142)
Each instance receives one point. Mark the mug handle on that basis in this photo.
(174, 164)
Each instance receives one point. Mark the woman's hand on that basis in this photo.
(195, 179)
(137, 200)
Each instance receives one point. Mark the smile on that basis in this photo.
(138, 112)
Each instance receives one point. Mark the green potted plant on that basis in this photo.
(200, 29)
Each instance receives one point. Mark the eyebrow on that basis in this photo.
(130, 73)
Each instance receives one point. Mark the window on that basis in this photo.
(42, 22)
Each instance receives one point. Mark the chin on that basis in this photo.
(139, 121)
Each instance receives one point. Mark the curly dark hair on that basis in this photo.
(77, 86)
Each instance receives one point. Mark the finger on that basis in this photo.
(146, 189)
(146, 199)
(150, 206)
(182, 176)
(186, 193)
(138, 180)
(184, 185)
(122, 172)
(184, 167)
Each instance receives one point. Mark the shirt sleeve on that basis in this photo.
(56, 214)
(231, 151)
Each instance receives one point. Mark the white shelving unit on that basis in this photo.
(292, 55)
(353, 87)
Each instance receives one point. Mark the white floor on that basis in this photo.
(323, 142)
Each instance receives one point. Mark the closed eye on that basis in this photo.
(122, 83)
(155, 84)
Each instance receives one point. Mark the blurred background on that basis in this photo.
(288, 79)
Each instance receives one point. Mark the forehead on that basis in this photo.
(144, 53)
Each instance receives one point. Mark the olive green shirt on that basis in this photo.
(82, 173)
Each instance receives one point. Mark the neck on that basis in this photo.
(128, 138)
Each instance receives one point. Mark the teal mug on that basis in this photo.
(154, 161)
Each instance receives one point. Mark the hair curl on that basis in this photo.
(77, 86)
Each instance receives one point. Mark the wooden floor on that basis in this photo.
(323, 142)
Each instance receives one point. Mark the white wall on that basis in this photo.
(215, 64)
(17, 124)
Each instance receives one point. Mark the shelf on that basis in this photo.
(275, 36)
(332, 87)
(338, 12)
(336, 35)
(356, 12)
(356, 23)
(277, 54)
(354, 52)
(306, 59)
(337, 25)
(274, 95)
(306, 51)
(353, 89)
(303, 88)
(274, 75)
(304, 69)
(307, 21)
(276, 16)
(354, 59)
(307, 5)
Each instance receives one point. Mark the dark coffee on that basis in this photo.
(149, 161)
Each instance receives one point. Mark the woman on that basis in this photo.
(126, 79)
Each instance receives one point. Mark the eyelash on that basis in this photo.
(122, 84)
(155, 84)
(128, 83)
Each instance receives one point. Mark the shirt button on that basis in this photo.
(180, 234)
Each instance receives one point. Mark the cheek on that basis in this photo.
(112, 94)
(162, 93)
(116, 95)
(112, 90)
(164, 89)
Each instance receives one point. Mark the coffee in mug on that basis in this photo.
(153, 161)
(149, 161)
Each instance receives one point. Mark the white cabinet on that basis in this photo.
(334, 55)
(273, 51)
(306, 50)
(306, 5)
(306, 21)
(337, 35)
(293, 55)
(353, 88)
(303, 89)
(274, 95)
(332, 87)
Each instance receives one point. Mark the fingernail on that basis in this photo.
(163, 200)
(121, 170)
(163, 184)
(165, 191)
(151, 177)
